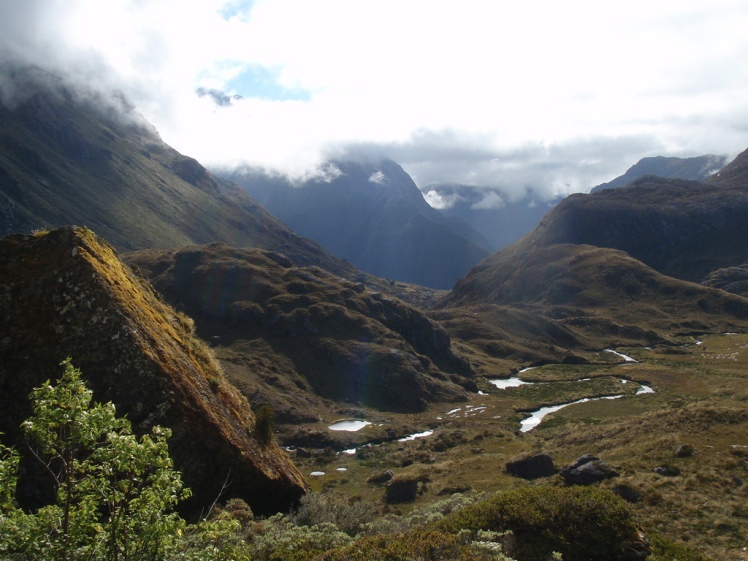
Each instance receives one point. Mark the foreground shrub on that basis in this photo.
(421, 544)
(581, 523)
(116, 492)
(279, 539)
(349, 517)
(664, 549)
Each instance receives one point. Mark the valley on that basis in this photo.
(701, 388)
(622, 315)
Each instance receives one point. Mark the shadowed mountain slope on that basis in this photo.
(373, 215)
(583, 298)
(734, 174)
(683, 229)
(66, 293)
(69, 159)
(289, 335)
(695, 169)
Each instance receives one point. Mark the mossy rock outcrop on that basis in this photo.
(66, 293)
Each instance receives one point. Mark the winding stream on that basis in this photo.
(536, 416)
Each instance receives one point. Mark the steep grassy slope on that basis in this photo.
(288, 336)
(65, 293)
(735, 173)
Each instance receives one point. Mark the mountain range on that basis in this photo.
(372, 215)
(187, 303)
(697, 169)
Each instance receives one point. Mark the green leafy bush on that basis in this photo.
(581, 523)
(664, 549)
(115, 492)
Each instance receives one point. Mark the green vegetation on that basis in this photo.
(264, 423)
(579, 522)
(115, 493)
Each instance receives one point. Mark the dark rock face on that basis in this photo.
(684, 229)
(667, 471)
(401, 490)
(627, 493)
(729, 279)
(66, 293)
(684, 451)
(586, 470)
(695, 169)
(532, 467)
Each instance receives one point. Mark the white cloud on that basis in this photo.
(557, 96)
(491, 200)
(439, 200)
(379, 178)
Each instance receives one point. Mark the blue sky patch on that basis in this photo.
(262, 83)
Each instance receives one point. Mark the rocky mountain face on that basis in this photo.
(729, 279)
(684, 229)
(288, 335)
(69, 158)
(66, 294)
(734, 174)
(695, 169)
(501, 220)
(374, 216)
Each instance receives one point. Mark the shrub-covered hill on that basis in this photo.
(578, 298)
(288, 335)
(66, 293)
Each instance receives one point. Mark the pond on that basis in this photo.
(350, 425)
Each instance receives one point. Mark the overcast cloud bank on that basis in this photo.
(553, 97)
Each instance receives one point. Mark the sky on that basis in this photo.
(553, 97)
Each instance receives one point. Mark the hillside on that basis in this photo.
(288, 336)
(66, 294)
(696, 169)
(373, 215)
(69, 157)
(586, 298)
(683, 229)
(734, 174)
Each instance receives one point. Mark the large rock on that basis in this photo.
(586, 470)
(66, 294)
(532, 467)
(401, 490)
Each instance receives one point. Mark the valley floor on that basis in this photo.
(700, 399)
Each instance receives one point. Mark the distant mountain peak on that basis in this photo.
(694, 169)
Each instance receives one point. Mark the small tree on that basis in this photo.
(115, 492)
